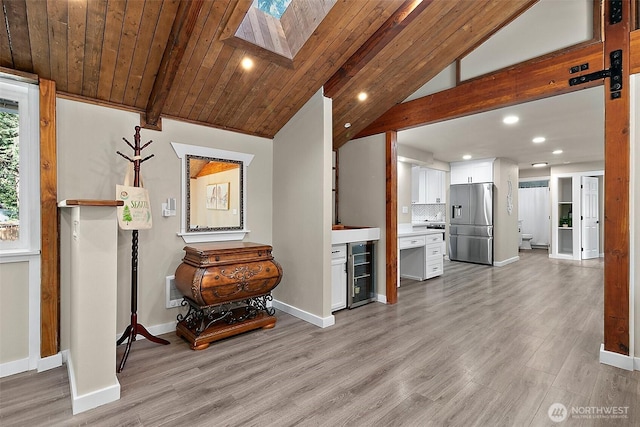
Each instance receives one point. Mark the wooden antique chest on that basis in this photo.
(226, 286)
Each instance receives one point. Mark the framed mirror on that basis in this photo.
(214, 193)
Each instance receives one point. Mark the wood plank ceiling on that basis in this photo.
(179, 59)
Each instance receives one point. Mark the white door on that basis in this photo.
(590, 219)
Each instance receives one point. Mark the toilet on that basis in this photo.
(526, 241)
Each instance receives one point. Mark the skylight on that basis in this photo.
(274, 8)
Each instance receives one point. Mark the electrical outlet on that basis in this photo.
(173, 295)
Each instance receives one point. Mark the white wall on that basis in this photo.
(404, 192)
(363, 192)
(505, 243)
(302, 175)
(565, 23)
(89, 168)
(14, 313)
(634, 216)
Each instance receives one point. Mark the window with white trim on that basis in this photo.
(19, 167)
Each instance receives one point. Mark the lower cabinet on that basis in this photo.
(421, 256)
(434, 255)
(338, 277)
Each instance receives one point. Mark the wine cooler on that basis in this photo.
(361, 277)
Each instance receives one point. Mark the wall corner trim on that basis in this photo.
(615, 359)
(323, 322)
(506, 261)
(92, 399)
(50, 362)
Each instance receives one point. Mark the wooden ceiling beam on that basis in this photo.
(181, 31)
(536, 79)
(392, 27)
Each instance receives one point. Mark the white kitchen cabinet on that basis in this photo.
(434, 256)
(420, 255)
(435, 186)
(427, 185)
(472, 171)
(338, 277)
(417, 185)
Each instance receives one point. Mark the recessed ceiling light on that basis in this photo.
(362, 96)
(557, 152)
(347, 125)
(247, 63)
(466, 156)
(539, 139)
(509, 120)
(539, 164)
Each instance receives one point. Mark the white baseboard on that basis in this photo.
(50, 362)
(82, 403)
(322, 322)
(506, 261)
(381, 298)
(154, 330)
(14, 367)
(411, 277)
(636, 363)
(618, 360)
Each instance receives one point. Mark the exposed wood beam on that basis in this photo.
(537, 79)
(181, 31)
(49, 255)
(392, 27)
(391, 150)
(616, 191)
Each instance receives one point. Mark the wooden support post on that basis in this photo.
(391, 158)
(616, 190)
(50, 257)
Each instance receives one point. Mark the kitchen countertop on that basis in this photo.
(409, 233)
(350, 234)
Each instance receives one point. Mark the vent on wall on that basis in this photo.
(173, 295)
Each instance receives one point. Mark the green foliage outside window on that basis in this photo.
(9, 165)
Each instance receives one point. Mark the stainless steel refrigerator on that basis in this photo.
(471, 226)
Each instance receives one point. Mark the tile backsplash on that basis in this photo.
(428, 212)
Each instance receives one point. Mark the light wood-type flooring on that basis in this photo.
(479, 346)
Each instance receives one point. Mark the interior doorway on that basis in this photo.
(590, 216)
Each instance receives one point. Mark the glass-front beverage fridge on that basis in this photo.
(361, 277)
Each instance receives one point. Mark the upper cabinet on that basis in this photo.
(472, 171)
(435, 186)
(427, 185)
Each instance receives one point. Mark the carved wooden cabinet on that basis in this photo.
(226, 287)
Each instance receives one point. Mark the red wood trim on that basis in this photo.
(181, 31)
(50, 256)
(541, 78)
(392, 216)
(90, 202)
(616, 193)
(391, 28)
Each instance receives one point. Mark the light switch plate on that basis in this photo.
(405, 209)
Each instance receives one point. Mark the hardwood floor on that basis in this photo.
(478, 346)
